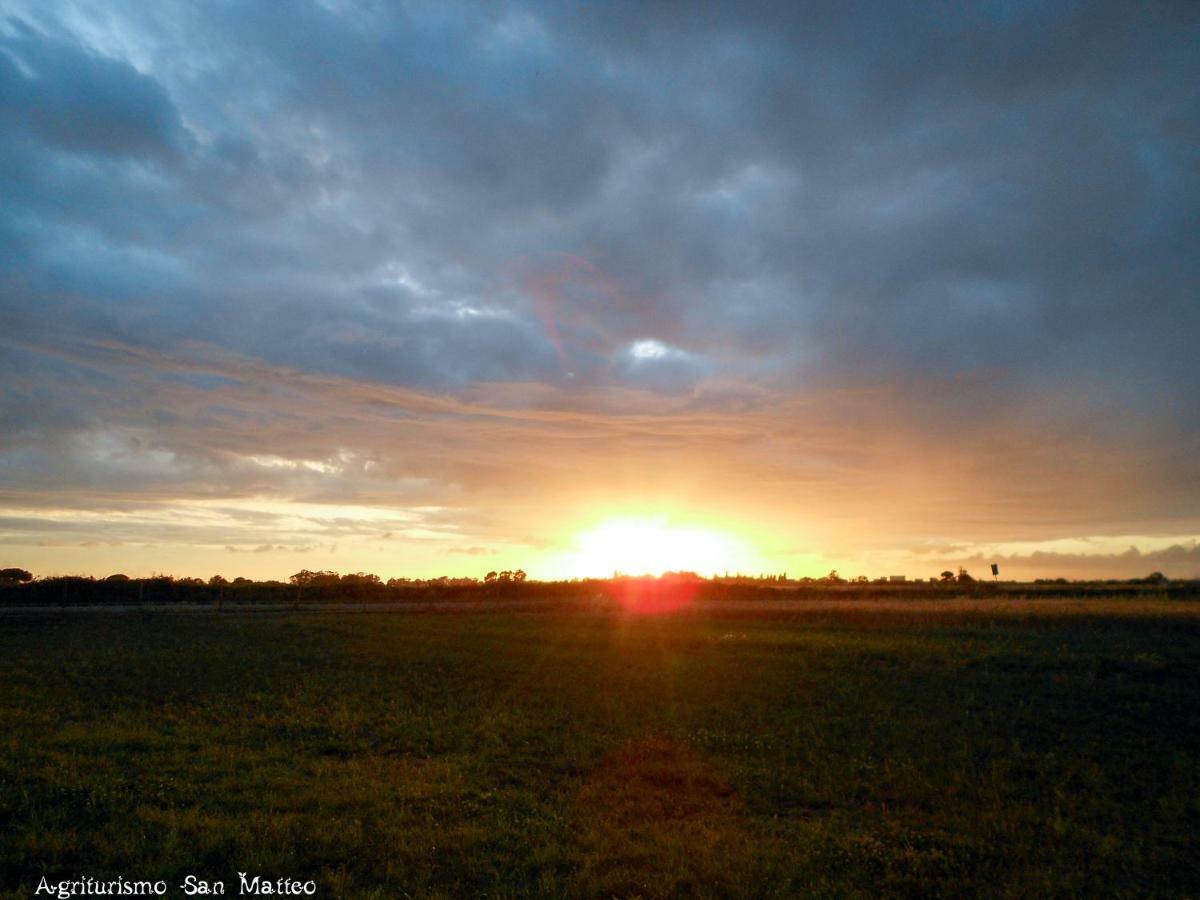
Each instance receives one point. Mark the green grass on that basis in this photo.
(848, 752)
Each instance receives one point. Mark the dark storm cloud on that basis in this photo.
(990, 210)
(80, 102)
(950, 190)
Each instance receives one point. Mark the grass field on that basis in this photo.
(843, 750)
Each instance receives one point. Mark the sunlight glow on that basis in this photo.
(641, 546)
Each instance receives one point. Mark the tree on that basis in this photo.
(490, 578)
(219, 582)
(947, 576)
(963, 576)
(14, 576)
(305, 578)
(323, 578)
(519, 576)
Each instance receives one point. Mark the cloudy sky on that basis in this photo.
(435, 288)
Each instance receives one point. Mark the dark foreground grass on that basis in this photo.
(508, 755)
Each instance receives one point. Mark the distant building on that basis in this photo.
(896, 579)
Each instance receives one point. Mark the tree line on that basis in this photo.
(19, 587)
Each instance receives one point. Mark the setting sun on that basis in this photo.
(651, 546)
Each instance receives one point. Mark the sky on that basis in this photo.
(438, 288)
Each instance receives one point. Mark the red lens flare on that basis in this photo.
(648, 596)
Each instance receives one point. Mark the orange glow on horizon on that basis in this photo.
(652, 546)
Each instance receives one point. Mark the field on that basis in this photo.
(1046, 749)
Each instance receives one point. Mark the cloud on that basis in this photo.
(81, 102)
(914, 272)
(1176, 560)
(203, 426)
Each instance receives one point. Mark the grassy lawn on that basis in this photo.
(845, 752)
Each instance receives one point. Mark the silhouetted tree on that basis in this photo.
(219, 582)
(490, 578)
(519, 576)
(305, 578)
(947, 576)
(963, 576)
(15, 576)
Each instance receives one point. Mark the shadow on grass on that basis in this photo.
(656, 819)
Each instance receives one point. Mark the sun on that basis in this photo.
(651, 546)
